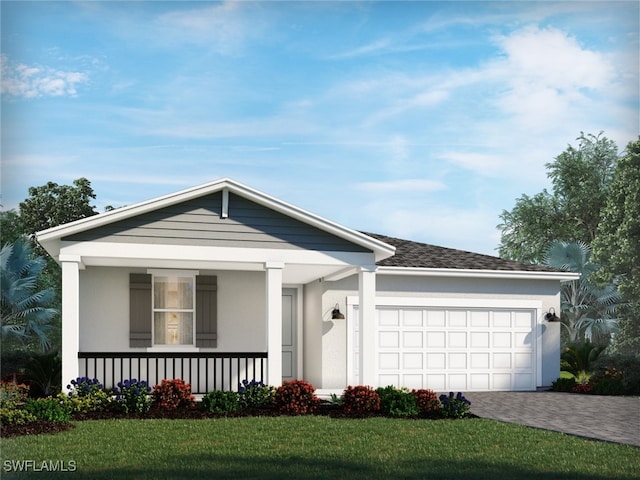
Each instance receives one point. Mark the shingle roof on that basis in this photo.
(423, 255)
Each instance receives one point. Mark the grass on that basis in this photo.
(315, 447)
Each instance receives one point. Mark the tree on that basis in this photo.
(51, 205)
(581, 179)
(588, 311)
(24, 308)
(10, 227)
(617, 243)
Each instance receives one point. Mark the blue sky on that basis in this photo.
(421, 120)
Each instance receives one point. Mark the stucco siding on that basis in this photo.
(104, 310)
(200, 222)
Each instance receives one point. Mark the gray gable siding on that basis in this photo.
(198, 222)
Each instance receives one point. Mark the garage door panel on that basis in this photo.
(480, 319)
(458, 361)
(502, 339)
(457, 340)
(457, 381)
(389, 361)
(389, 339)
(436, 361)
(480, 381)
(479, 361)
(502, 360)
(502, 319)
(413, 381)
(389, 318)
(412, 318)
(457, 319)
(436, 318)
(479, 339)
(412, 339)
(435, 339)
(413, 361)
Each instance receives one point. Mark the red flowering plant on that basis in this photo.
(360, 400)
(173, 394)
(428, 402)
(296, 397)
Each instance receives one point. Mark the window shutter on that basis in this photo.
(139, 310)
(206, 311)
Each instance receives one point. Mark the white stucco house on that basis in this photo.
(220, 283)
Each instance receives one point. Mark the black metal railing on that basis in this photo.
(205, 371)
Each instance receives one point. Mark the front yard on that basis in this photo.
(313, 447)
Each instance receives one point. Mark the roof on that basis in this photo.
(50, 239)
(411, 254)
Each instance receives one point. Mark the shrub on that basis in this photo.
(397, 402)
(360, 400)
(428, 403)
(84, 387)
(85, 395)
(218, 401)
(44, 374)
(454, 406)
(173, 394)
(563, 384)
(48, 408)
(607, 382)
(15, 416)
(296, 397)
(133, 396)
(254, 394)
(582, 388)
(629, 365)
(13, 395)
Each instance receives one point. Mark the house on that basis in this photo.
(220, 283)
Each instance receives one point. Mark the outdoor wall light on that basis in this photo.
(551, 316)
(336, 315)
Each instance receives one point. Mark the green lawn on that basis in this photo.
(313, 447)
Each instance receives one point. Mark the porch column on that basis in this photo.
(367, 310)
(274, 321)
(71, 267)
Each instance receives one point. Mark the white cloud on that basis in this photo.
(36, 81)
(223, 27)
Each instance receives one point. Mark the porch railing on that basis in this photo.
(205, 371)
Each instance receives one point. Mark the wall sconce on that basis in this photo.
(336, 315)
(551, 316)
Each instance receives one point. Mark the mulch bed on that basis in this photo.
(34, 428)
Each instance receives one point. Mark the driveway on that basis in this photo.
(612, 419)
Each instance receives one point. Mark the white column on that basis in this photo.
(70, 320)
(274, 321)
(367, 317)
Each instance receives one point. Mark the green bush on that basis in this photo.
(48, 408)
(397, 402)
(563, 384)
(15, 416)
(629, 365)
(607, 382)
(254, 394)
(132, 396)
(454, 406)
(98, 401)
(218, 401)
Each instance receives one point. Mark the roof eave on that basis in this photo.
(477, 273)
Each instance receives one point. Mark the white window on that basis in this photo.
(173, 309)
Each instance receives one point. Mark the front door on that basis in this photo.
(289, 334)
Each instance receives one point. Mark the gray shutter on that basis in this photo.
(139, 310)
(206, 311)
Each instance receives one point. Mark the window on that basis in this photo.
(173, 309)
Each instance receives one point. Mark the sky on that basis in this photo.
(419, 120)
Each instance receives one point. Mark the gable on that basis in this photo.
(199, 222)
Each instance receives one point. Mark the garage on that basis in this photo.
(450, 344)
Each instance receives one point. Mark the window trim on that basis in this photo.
(172, 273)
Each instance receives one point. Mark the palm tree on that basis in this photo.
(588, 310)
(24, 309)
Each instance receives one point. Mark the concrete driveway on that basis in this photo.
(613, 419)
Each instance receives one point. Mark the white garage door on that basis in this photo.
(461, 349)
